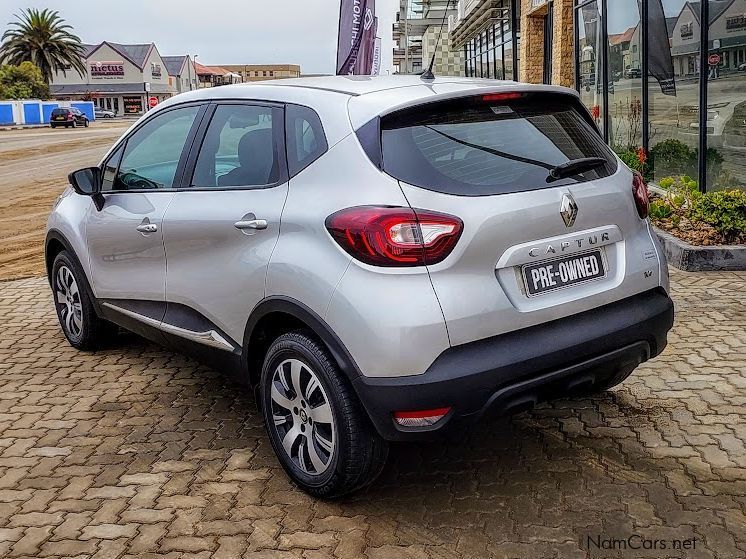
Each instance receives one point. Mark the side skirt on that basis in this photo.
(179, 328)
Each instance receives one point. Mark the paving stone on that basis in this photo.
(134, 451)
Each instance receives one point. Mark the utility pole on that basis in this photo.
(406, 36)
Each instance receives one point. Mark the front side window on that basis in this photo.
(110, 169)
(152, 153)
(240, 148)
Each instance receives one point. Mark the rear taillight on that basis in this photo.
(640, 193)
(420, 418)
(386, 236)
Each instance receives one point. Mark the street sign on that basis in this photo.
(713, 59)
(152, 102)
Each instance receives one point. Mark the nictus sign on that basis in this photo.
(113, 70)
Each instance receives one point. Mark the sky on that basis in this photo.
(219, 31)
(623, 14)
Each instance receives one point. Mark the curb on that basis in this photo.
(690, 258)
(23, 126)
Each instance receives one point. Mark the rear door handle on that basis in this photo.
(147, 228)
(251, 224)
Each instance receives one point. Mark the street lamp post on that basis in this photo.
(406, 36)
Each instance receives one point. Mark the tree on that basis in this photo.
(22, 82)
(42, 37)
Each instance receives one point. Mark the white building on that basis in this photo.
(727, 36)
(125, 79)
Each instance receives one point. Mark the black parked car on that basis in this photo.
(68, 117)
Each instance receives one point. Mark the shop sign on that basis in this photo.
(687, 30)
(155, 69)
(132, 105)
(735, 23)
(107, 70)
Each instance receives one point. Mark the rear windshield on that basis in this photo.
(490, 145)
(57, 112)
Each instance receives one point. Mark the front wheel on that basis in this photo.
(85, 123)
(78, 319)
(317, 427)
(74, 124)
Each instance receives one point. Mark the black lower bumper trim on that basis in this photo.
(514, 371)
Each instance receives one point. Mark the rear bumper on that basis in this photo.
(514, 371)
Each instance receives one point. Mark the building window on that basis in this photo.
(490, 54)
(678, 117)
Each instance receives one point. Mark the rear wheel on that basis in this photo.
(85, 123)
(78, 319)
(317, 428)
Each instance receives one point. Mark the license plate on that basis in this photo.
(563, 272)
(59, 118)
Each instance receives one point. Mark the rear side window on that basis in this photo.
(306, 141)
(491, 145)
(240, 148)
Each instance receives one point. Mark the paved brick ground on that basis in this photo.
(136, 451)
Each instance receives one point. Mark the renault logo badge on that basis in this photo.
(568, 209)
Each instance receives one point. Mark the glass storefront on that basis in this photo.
(637, 68)
(490, 53)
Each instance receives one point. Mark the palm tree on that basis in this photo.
(42, 37)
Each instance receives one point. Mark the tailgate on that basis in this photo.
(537, 244)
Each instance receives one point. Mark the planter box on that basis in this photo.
(690, 258)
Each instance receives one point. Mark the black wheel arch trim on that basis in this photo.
(56, 235)
(298, 310)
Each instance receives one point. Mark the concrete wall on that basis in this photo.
(33, 111)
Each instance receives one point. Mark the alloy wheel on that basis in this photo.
(302, 417)
(69, 304)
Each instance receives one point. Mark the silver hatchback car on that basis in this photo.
(378, 259)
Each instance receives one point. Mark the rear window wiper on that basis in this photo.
(574, 166)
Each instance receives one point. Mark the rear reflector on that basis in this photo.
(502, 96)
(420, 418)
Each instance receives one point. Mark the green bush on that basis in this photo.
(659, 209)
(666, 182)
(713, 165)
(725, 210)
(672, 157)
(632, 160)
(676, 158)
(22, 82)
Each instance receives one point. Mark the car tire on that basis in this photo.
(316, 425)
(80, 324)
(74, 124)
(85, 123)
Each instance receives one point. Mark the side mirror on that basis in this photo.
(86, 181)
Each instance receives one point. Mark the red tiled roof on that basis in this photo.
(210, 70)
(625, 37)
